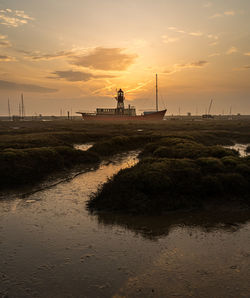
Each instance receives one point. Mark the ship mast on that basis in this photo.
(156, 92)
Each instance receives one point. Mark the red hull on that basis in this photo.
(149, 117)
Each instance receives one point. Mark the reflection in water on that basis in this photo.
(156, 227)
(50, 246)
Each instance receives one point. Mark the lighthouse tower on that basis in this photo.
(120, 102)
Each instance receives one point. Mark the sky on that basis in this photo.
(73, 55)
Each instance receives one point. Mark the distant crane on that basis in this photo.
(210, 106)
(208, 115)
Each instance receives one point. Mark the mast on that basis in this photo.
(19, 110)
(9, 109)
(156, 92)
(22, 107)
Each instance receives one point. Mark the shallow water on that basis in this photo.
(50, 246)
(241, 148)
(83, 147)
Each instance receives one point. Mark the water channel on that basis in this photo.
(50, 246)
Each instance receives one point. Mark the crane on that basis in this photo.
(210, 106)
(208, 115)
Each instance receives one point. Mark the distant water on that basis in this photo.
(50, 246)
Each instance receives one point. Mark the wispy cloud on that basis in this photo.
(208, 4)
(24, 87)
(213, 36)
(223, 14)
(229, 13)
(247, 54)
(139, 86)
(214, 55)
(38, 56)
(242, 68)
(232, 50)
(213, 43)
(196, 34)
(200, 63)
(105, 59)
(77, 76)
(191, 65)
(5, 58)
(175, 29)
(98, 58)
(14, 18)
(4, 42)
(168, 39)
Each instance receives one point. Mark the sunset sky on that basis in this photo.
(74, 54)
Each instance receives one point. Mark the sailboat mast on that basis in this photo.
(9, 109)
(156, 92)
(22, 107)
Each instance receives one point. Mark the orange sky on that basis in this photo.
(75, 54)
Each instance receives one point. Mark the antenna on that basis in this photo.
(156, 92)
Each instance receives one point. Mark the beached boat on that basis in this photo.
(122, 113)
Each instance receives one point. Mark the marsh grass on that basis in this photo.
(175, 173)
(29, 151)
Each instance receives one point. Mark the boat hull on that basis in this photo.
(156, 116)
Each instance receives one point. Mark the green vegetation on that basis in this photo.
(21, 166)
(120, 144)
(176, 173)
(31, 150)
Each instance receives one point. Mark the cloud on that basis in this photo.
(167, 39)
(105, 59)
(14, 18)
(208, 4)
(232, 50)
(195, 64)
(175, 29)
(216, 15)
(247, 54)
(5, 58)
(229, 13)
(4, 43)
(212, 36)
(37, 56)
(77, 76)
(196, 34)
(24, 87)
(223, 14)
(213, 43)
(191, 65)
(247, 67)
(214, 55)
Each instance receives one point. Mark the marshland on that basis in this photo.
(126, 209)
